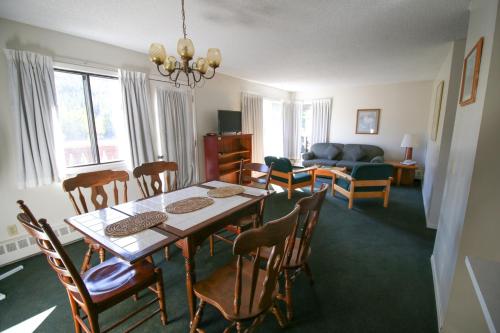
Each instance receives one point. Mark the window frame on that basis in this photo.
(90, 116)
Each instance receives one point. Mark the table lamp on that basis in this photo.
(409, 142)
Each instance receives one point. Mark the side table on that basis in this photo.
(403, 174)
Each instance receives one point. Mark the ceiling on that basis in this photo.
(296, 45)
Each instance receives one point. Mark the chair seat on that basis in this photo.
(218, 290)
(295, 262)
(116, 277)
(297, 178)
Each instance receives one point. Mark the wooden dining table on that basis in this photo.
(188, 230)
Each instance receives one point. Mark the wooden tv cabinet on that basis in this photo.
(223, 154)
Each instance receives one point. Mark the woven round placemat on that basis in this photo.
(225, 191)
(188, 205)
(135, 224)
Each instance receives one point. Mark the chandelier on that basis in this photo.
(196, 71)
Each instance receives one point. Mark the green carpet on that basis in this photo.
(371, 269)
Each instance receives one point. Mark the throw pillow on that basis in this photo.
(353, 153)
(332, 152)
(308, 156)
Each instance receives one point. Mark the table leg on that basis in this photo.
(188, 252)
(398, 179)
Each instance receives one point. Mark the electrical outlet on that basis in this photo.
(12, 230)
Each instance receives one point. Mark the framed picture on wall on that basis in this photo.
(367, 121)
(470, 74)
(437, 110)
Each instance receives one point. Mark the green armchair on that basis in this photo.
(285, 175)
(365, 181)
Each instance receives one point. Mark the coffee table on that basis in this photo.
(324, 171)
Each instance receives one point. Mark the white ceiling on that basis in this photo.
(296, 45)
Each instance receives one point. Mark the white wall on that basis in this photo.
(405, 109)
(436, 159)
(50, 202)
(468, 222)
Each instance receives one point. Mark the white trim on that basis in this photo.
(84, 66)
(119, 165)
(440, 318)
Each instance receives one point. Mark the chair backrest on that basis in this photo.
(372, 171)
(95, 181)
(153, 170)
(57, 258)
(248, 170)
(310, 208)
(281, 164)
(272, 235)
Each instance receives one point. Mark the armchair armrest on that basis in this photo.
(304, 169)
(342, 174)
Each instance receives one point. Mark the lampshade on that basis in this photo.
(214, 57)
(409, 141)
(157, 53)
(201, 65)
(169, 64)
(185, 48)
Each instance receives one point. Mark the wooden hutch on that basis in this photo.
(223, 154)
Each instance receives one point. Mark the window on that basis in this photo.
(273, 127)
(305, 127)
(91, 118)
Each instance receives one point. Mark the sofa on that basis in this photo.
(342, 155)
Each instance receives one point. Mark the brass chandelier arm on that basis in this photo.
(193, 76)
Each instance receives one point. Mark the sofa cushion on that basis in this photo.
(309, 163)
(270, 159)
(323, 150)
(332, 152)
(353, 153)
(349, 165)
(296, 178)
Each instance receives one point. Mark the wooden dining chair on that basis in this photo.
(243, 291)
(98, 197)
(102, 286)
(253, 175)
(299, 247)
(153, 170)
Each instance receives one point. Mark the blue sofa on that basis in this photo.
(342, 155)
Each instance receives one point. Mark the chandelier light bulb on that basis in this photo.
(201, 65)
(185, 48)
(214, 57)
(169, 64)
(157, 53)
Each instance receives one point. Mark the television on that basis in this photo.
(229, 121)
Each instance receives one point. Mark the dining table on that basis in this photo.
(187, 231)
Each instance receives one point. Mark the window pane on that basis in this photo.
(305, 128)
(109, 118)
(73, 119)
(273, 128)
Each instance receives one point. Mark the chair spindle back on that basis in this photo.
(310, 208)
(272, 235)
(96, 181)
(247, 171)
(56, 255)
(153, 170)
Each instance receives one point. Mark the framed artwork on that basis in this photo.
(437, 110)
(367, 121)
(470, 74)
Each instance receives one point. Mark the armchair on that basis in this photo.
(285, 175)
(365, 181)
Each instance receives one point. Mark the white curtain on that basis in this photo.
(135, 94)
(178, 132)
(291, 129)
(253, 123)
(33, 102)
(321, 120)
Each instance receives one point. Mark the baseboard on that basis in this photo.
(24, 246)
(440, 317)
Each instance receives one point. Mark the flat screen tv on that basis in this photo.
(229, 121)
